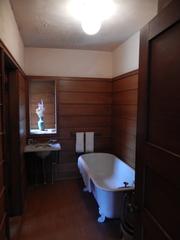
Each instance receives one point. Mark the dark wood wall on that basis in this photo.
(84, 105)
(105, 106)
(124, 113)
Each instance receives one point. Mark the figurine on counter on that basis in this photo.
(40, 112)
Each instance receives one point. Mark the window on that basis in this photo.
(42, 106)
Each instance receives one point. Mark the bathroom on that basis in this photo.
(92, 92)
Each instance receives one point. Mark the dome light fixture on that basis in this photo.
(91, 27)
(91, 13)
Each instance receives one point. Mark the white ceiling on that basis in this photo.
(49, 24)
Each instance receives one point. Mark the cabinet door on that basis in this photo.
(158, 132)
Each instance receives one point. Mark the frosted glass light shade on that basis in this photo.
(91, 26)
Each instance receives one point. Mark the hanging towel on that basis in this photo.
(80, 142)
(89, 141)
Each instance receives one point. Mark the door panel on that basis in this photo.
(164, 112)
(158, 130)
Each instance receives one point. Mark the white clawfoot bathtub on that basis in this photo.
(107, 177)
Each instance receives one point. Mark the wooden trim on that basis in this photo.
(44, 78)
(128, 74)
(7, 52)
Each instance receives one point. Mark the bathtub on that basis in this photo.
(107, 178)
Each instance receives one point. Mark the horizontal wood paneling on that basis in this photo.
(87, 104)
(84, 98)
(124, 125)
(121, 84)
(85, 110)
(84, 121)
(86, 86)
(128, 112)
(83, 105)
(66, 133)
(124, 114)
(128, 97)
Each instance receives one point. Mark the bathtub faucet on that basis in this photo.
(125, 184)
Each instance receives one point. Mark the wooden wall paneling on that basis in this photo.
(85, 86)
(85, 110)
(66, 133)
(84, 105)
(85, 121)
(84, 98)
(124, 114)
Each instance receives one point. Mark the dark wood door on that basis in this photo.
(3, 215)
(17, 135)
(158, 131)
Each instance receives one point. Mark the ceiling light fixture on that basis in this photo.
(91, 13)
(91, 26)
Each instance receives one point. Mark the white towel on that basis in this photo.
(80, 142)
(89, 141)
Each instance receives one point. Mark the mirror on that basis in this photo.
(42, 107)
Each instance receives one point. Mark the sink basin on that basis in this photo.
(42, 146)
(42, 150)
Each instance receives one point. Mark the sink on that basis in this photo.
(42, 150)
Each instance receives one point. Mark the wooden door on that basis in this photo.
(17, 129)
(158, 131)
(3, 215)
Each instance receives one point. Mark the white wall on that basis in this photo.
(68, 63)
(126, 57)
(9, 32)
(83, 63)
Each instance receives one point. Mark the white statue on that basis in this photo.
(40, 112)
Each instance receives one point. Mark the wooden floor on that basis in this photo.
(62, 211)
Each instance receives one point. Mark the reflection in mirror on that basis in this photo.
(42, 106)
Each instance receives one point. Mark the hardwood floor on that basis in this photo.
(62, 211)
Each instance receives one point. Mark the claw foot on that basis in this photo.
(102, 217)
(85, 189)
